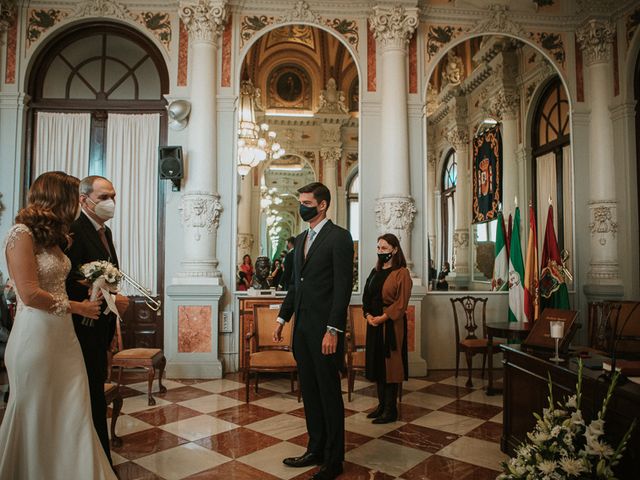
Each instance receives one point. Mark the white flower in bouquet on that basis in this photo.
(573, 466)
(104, 277)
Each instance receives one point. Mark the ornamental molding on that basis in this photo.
(8, 10)
(101, 8)
(395, 214)
(331, 156)
(503, 105)
(394, 27)
(301, 12)
(332, 100)
(331, 134)
(204, 19)
(200, 211)
(245, 242)
(458, 138)
(596, 41)
(460, 240)
(604, 221)
(499, 21)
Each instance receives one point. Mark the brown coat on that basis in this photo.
(396, 292)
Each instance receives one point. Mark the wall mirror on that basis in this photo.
(299, 104)
(498, 133)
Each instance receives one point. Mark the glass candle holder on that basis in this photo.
(556, 332)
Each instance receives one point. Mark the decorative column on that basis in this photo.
(459, 138)
(192, 309)
(596, 39)
(432, 206)
(395, 208)
(245, 237)
(330, 157)
(200, 204)
(504, 107)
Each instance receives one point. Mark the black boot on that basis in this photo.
(390, 413)
(380, 408)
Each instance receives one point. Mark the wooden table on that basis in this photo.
(508, 330)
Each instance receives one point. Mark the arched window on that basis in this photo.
(353, 206)
(447, 197)
(552, 162)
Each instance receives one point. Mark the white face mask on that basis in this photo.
(78, 212)
(104, 209)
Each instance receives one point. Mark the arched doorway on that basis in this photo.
(102, 84)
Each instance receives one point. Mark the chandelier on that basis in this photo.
(256, 143)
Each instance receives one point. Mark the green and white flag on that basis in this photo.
(500, 280)
(516, 274)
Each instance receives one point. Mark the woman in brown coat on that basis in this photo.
(385, 300)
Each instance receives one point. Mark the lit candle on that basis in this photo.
(557, 329)
(515, 201)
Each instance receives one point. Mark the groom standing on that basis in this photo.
(319, 294)
(92, 241)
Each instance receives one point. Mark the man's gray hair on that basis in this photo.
(86, 184)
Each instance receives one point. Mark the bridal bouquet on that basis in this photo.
(104, 277)
(563, 446)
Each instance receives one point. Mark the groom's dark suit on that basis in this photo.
(87, 247)
(319, 294)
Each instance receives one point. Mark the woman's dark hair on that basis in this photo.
(398, 260)
(52, 203)
(244, 257)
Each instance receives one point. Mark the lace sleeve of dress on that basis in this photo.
(14, 234)
(23, 268)
(60, 304)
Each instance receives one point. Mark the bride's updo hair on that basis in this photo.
(52, 203)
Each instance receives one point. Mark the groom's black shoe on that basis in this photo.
(306, 460)
(328, 472)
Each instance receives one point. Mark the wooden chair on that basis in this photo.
(151, 359)
(605, 318)
(113, 396)
(471, 344)
(262, 354)
(356, 341)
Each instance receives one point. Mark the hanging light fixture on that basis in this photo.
(255, 143)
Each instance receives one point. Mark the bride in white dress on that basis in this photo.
(47, 432)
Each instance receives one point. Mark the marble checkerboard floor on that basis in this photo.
(202, 429)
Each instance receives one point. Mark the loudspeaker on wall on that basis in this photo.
(170, 165)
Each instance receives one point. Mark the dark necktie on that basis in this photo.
(103, 239)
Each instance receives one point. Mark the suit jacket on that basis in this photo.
(321, 283)
(287, 274)
(87, 247)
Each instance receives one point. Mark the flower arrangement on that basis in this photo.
(563, 446)
(104, 277)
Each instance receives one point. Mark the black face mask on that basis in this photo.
(385, 257)
(307, 213)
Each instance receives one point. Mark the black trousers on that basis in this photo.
(92, 341)
(321, 391)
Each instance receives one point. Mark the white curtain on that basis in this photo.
(567, 192)
(132, 166)
(546, 185)
(62, 143)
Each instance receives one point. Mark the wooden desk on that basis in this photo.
(525, 392)
(508, 330)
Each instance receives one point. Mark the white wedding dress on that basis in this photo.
(47, 432)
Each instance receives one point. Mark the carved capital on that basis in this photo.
(204, 19)
(393, 27)
(101, 8)
(331, 156)
(504, 105)
(499, 21)
(395, 215)
(604, 221)
(200, 212)
(301, 12)
(8, 10)
(458, 138)
(596, 39)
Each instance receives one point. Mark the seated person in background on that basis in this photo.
(242, 283)
(276, 273)
(441, 283)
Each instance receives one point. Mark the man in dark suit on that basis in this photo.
(286, 277)
(91, 241)
(318, 296)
